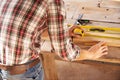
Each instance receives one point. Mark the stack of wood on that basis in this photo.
(103, 14)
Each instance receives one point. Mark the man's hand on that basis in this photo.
(99, 50)
(72, 34)
(96, 51)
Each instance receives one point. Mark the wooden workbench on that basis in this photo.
(104, 68)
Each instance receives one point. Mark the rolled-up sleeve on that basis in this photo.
(58, 31)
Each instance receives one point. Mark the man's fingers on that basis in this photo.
(101, 52)
(104, 53)
(104, 48)
(76, 35)
(80, 28)
(71, 31)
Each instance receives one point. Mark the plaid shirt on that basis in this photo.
(21, 25)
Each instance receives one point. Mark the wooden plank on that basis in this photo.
(99, 14)
(110, 4)
(91, 11)
(96, 23)
(94, 3)
(88, 41)
(73, 5)
(88, 70)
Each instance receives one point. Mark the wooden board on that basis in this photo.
(110, 3)
(87, 70)
(88, 41)
(91, 10)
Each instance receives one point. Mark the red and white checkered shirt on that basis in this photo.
(21, 25)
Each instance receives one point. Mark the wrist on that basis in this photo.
(83, 55)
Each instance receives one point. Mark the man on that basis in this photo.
(21, 24)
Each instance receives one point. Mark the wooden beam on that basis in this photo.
(92, 11)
